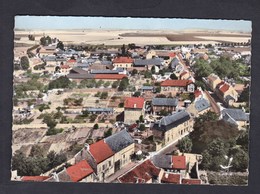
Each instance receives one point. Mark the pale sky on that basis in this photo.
(72, 22)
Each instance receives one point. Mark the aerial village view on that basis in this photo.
(131, 100)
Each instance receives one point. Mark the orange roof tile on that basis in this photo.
(100, 151)
(134, 102)
(34, 178)
(224, 88)
(79, 171)
(191, 181)
(171, 178)
(179, 162)
(109, 76)
(176, 83)
(123, 60)
(64, 66)
(140, 174)
(172, 54)
(197, 93)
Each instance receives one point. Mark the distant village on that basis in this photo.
(131, 113)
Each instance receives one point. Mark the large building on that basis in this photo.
(171, 128)
(133, 109)
(164, 104)
(178, 86)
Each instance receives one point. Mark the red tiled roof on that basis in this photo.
(100, 151)
(224, 88)
(141, 174)
(176, 83)
(123, 60)
(172, 54)
(79, 171)
(179, 162)
(197, 93)
(35, 178)
(71, 61)
(64, 66)
(134, 102)
(171, 178)
(191, 181)
(109, 76)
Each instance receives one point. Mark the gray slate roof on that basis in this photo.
(144, 62)
(171, 121)
(147, 88)
(236, 114)
(175, 62)
(119, 140)
(100, 109)
(164, 101)
(201, 104)
(80, 76)
(162, 161)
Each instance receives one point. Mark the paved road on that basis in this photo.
(214, 105)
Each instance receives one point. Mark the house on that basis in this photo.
(65, 69)
(133, 109)
(171, 128)
(78, 74)
(100, 157)
(171, 163)
(47, 50)
(164, 104)
(178, 86)
(184, 75)
(199, 107)
(236, 116)
(81, 172)
(122, 144)
(147, 64)
(71, 62)
(145, 172)
(147, 89)
(176, 65)
(123, 62)
(226, 93)
(213, 81)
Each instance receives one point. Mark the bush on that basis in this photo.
(95, 126)
(54, 131)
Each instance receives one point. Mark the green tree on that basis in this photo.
(173, 76)
(185, 145)
(115, 84)
(25, 64)
(134, 72)
(104, 95)
(60, 45)
(137, 94)
(95, 126)
(147, 74)
(108, 133)
(61, 82)
(141, 118)
(153, 69)
(123, 84)
(240, 159)
(50, 122)
(141, 127)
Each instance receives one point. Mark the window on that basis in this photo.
(109, 163)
